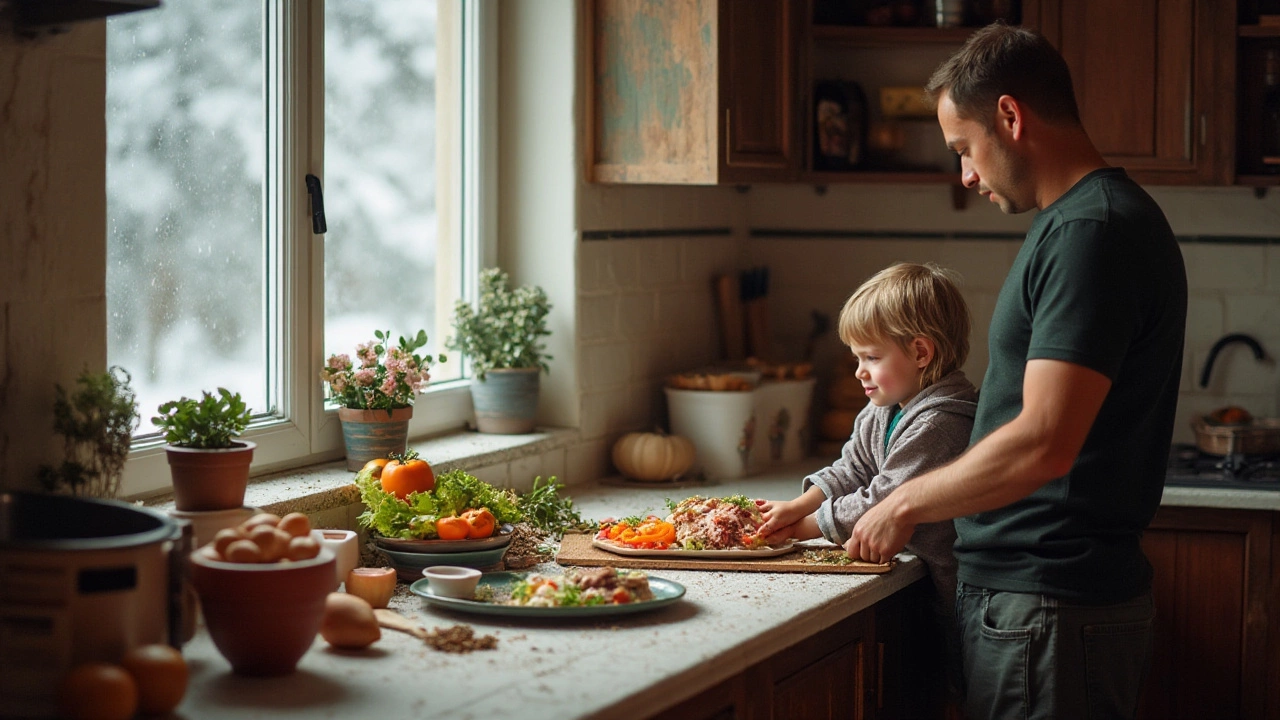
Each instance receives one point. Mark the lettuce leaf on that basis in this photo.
(414, 518)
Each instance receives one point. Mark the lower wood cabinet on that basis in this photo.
(875, 664)
(1216, 588)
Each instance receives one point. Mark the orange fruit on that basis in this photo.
(376, 465)
(452, 528)
(408, 476)
(97, 691)
(161, 675)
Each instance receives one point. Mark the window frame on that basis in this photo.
(306, 429)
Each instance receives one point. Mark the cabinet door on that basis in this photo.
(1154, 81)
(828, 676)
(726, 701)
(757, 90)
(1211, 587)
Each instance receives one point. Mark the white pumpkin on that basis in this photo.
(653, 457)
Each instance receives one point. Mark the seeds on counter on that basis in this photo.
(459, 639)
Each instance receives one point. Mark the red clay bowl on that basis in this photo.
(263, 617)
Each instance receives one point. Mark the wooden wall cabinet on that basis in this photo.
(1215, 589)
(698, 92)
(1155, 83)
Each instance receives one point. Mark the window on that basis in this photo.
(216, 112)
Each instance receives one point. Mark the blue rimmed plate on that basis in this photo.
(665, 592)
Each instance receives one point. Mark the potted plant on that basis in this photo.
(96, 423)
(502, 339)
(375, 398)
(210, 469)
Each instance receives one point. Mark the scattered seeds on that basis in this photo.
(459, 639)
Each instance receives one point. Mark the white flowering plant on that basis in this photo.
(386, 377)
(505, 330)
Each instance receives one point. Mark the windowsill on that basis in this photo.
(329, 485)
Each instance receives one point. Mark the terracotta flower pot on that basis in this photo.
(263, 617)
(506, 401)
(372, 434)
(209, 479)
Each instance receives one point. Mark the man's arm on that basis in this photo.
(1060, 402)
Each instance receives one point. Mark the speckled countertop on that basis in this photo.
(631, 665)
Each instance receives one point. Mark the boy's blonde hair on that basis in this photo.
(909, 300)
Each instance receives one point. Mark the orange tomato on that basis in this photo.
(406, 474)
(376, 465)
(452, 527)
(480, 523)
(161, 674)
(98, 691)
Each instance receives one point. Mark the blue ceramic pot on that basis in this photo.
(506, 401)
(372, 434)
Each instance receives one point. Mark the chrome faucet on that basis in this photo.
(1226, 340)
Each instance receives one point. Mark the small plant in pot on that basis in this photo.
(210, 468)
(375, 396)
(502, 337)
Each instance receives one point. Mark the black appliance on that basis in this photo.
(1190, 467)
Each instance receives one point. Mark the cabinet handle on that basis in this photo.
(1204, 130)
(727, 126)
(879, 676)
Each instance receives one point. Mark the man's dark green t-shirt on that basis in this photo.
(1099, 282)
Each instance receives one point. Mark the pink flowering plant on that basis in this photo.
(383, 376)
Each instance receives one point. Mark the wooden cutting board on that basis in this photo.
(578, 550)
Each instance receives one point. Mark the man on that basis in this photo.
(1066, 463)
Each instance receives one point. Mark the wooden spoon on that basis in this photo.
(395, 621)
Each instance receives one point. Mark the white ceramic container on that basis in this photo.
(452, 581)
(345, 545)
(721, 425)
(205, 524)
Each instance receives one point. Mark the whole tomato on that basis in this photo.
(480, 523)
(406, 474)
(375, 466)
(452, 527)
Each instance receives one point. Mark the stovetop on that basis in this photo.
(1189, 467)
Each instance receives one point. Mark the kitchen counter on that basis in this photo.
(635, 665)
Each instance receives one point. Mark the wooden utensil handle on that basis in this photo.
(729, 309)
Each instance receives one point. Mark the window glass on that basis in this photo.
(382, 64)
(186, 139)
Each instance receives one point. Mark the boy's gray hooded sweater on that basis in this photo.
(934, 429)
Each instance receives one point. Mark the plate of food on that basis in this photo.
(579, 592)
(697, 527)
(501, 537)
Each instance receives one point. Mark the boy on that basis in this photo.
(908, 326)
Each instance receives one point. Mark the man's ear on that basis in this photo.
(1010, 116)
(923, 350)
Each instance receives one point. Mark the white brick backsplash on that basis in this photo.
(1206, 313)
(662, 262)
(498, 475)
(637, 315)
(593, 261)
(705, 257)
(605, 365)
(978, 262)
(1235, 371)
(1214, 266)
(587, 462)
(554, 463)
(1257, 315)
(1273, 269)
(597, 317)
(523, 471)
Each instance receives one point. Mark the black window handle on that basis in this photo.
(317, 205)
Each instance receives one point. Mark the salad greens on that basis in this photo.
(414, 518)
(456, 491)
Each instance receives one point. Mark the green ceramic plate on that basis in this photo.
(665, 592)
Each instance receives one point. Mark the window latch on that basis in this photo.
(317, 205)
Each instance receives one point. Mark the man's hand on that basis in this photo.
(878, 536)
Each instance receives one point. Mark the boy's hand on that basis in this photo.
(779, 516)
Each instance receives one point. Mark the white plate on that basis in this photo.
(768, 551)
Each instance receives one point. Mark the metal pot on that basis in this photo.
(81, 581)
(1260, 436)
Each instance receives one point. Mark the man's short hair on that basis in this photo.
(1000, 60)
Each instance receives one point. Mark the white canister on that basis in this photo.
(206, 524)
(345, 545)
(782, 411)
(721, 426)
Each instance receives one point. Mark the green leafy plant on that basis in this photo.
(209, 423)
(546, 510)
(388, 377)
(96, 423)
(505, 331)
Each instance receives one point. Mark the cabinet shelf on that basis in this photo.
(1259, 31)
(817, 177)
(1258, 180)
(861, 35)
